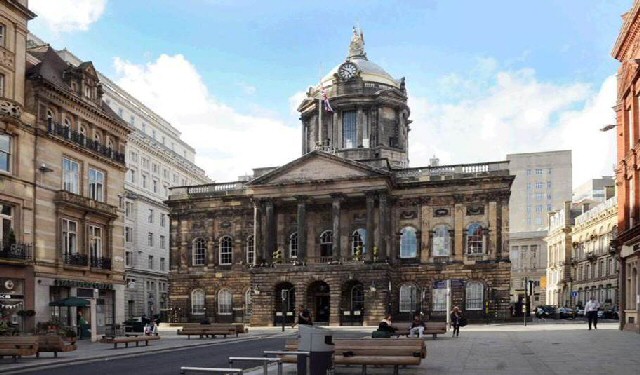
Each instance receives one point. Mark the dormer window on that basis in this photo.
(74, 86)
(87, 91)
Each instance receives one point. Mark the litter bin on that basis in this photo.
(319, 343)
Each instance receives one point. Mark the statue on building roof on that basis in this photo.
(356, 48)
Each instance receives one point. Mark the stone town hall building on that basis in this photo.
(347, 229)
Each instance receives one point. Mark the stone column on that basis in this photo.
(336, 250)
(459, 212)
(359, 127)
(385, 239)
(269, 237)
(370, 240)
(257, 231)
(302, 227)
(335, 137)
(492, 225)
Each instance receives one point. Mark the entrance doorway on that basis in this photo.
(320, 297)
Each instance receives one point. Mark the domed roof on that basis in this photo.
(369, 72)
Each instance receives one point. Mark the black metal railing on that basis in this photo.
(17, 251)
(76, 259)
(80, 139)
(101, 263)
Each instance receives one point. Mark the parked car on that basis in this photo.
(580, 311)
(565, 313)
(545, 311)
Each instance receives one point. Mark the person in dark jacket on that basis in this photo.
(456, 317)
(385, 325)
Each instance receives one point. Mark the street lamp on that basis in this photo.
(608, 127)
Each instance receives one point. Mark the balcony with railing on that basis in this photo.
(79, 139)
(215, 189)
(76, 259)
(500, 168)
(69, 198)
(21, 252)
(103, 263)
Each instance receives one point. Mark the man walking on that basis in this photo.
(591, 310)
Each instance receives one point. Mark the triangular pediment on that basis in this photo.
(318, 166)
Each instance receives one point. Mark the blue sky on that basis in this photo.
(522, 76)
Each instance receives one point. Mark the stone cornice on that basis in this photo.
(627, 34)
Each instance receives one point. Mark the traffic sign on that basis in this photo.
(574, 294)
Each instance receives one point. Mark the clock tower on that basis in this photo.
(358, 111)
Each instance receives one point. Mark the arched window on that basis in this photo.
(66, 123)
(326, 242)
(251, 251)
(357, 297)
(293, 245)
(199, 252)
(358, 241)
(408, 243)
(441, 241)
(226, 247)
(408, 298)
(224, 302)
(197, 302)
(248, 303)
(475, 239)
(475, 294)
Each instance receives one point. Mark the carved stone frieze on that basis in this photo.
(10, 108)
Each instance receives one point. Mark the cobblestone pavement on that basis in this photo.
(566, 347)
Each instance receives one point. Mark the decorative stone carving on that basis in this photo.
(9, 108)
(475, 210)
(7, 58)
(408, 214)
(440, 212)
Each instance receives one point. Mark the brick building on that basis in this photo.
(347, 229)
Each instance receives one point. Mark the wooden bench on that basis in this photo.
(431, 328)
(55, 344)
(371, 352)
(207, 331)
(238, 327)
(18, 346)
(126, 340)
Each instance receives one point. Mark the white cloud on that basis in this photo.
(516, 113)
(68, 15)
(228, 143)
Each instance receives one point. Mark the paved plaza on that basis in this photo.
(539, 348)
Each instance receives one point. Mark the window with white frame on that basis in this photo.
(155, 168)
(226, 247)
(2, 85)
(128, 234)
(358, 241)
(96, 185)
(199, 252)
(128, 209)
(439, 299)
(441, 243)
(145, 183)
(132, 175)
(408, 298)
(251, 252)
(71, 176)
(349, 129)
(326, 243)
(150, 262)
(128, 258)
(224, 302)
(3, 37)
(408, 243)
(145, 163)
(95, 241)
(475, 239)
(69, 236)
(150, 217)
(162, 242)
(163, 264)
(6, 223)
(150, 239)
(5, 153)
(162, 220)
(474, 295)
(293, 245)
(197, 302)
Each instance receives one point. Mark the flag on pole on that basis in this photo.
(325, 99)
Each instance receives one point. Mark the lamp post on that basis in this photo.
(284, 293)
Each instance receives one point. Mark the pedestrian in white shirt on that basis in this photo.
(591, 311)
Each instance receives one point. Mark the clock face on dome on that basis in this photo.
(347, 71)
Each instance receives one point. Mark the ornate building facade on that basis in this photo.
(347, 229)
(17, 140)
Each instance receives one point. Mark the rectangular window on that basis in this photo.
(548, 207)
(539, 208)
(175, 178)
(162, 242)
(144, 181)
(128, 209)
(71, 176)
(2, 34)
(132, 120)
(529, 208)
(128, 259)
(439, 300)
(128, 234)
(155, 168)
(6, 224)
(96, 185)
(5, 153)
(95, 242)
(2, 93)
(538, 170)
(165, 174)
(150, 239)
(539, 196)
(548, 184)
(134, 156)
(539, 185)
(150, 262)
(132, 175)
(145, 163)
(150, 218)
(69, 236)
(162, 220)
(349, 129)
(154, 185)
(162, 266)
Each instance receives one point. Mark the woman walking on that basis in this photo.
(456, 317)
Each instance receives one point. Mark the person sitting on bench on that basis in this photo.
(385, 325)
(417, 326)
